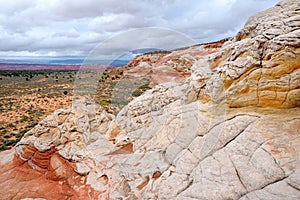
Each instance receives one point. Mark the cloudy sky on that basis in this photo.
(76, 27)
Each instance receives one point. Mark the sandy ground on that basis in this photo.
(23, 103)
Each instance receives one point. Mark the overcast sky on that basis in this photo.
(75, 27)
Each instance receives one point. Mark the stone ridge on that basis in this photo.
(170, 66)
(229, 131)
(260, 66)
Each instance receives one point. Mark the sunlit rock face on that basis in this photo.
(230, 130)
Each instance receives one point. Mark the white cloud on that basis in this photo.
(117, 22)
(143, 38)
(69, 27)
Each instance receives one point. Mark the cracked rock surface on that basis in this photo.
(230, 131)
(260, 66)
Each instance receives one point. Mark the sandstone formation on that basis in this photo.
(259, 67)
(231, 130)
(170, 66)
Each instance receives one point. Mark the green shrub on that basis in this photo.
(10, 142)
(145, 86)
(24, 118)
(137, 93)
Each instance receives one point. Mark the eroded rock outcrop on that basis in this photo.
(260, 66)
(170, 66)
(230, 131)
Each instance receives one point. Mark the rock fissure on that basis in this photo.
(275, 161)
(185, 188)
(293, 186)
(238, 175)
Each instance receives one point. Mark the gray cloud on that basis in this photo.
(75, 27)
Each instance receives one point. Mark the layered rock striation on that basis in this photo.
(260, 66)
(170, 66)
(231, 130)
